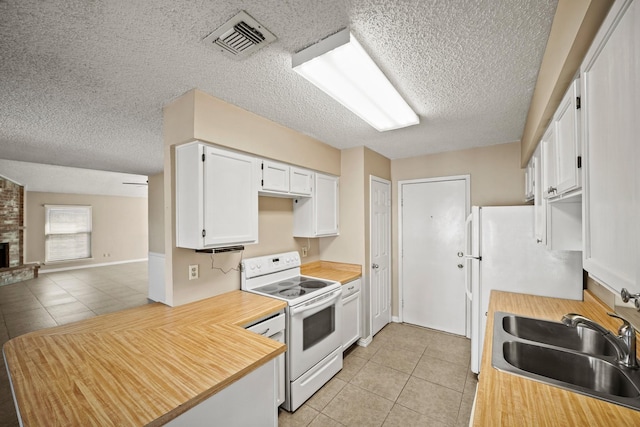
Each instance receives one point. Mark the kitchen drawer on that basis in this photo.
(270, 326)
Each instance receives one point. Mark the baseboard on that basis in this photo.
(395, 319)
(364, 342)
(79, 267)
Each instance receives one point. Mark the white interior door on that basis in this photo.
(380, 253)
(433, 214)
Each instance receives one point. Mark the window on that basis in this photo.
(67, 232)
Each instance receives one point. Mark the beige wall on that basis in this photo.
(575, 24)
(196, 115)
(496, 180)
(156, 213)
(352, 245)
(349, 245)
(120, 227)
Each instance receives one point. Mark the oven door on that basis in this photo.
(314, 332)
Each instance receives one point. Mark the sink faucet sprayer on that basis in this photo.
(624, 343)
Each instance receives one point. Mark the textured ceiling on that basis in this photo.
(83, 82)
(68, 180)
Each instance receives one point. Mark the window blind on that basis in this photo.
(67, 232)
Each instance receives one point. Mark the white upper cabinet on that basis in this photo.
(300, 181)
(275, 176)
(540, 202)
(558, 219)
(317, 216)
(610, 106)
(561, 149)
(548, 156)
(567, 144)
(282, 180)
(529, 180)
(216, 197)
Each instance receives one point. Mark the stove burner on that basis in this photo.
(313, 284)
(283, 284)
(269, 288)
(292, 292)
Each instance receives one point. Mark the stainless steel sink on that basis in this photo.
(581, 339)
(580, 370)
(576, 359)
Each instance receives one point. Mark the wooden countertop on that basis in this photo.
(142, 366)
(505, 399)
(329, 270)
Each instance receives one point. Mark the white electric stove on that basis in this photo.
(314, 314)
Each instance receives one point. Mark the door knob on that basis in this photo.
(374, 266)
(460, 265)
(460, 254)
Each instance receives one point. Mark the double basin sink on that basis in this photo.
(578, 359)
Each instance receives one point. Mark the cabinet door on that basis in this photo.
(539, 201)
(529, 178)
(300, 181)
(275, 176)
(568, 141)
(351, 316)
(548, 144)
(611, 101)
(230, 198)
(326, 205)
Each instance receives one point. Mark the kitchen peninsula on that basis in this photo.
(142, 366)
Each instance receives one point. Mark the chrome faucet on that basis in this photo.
(624, 342)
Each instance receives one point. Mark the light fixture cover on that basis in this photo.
(340, 67)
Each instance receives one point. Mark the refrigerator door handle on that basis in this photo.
(467, 281)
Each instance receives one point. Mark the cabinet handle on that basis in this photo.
(552, 190)
(539, 240)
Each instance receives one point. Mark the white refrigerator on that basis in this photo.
(502, 254)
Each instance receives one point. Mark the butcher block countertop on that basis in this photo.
(329, 270)
(504, 399)
(142, 366)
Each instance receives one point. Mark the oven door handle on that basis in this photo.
(325, 302)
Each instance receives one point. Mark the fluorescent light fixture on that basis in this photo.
(340, 67)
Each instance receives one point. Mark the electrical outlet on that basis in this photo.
(304, 251)
(193, 272)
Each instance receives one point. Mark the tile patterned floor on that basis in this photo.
(58, 298)
(408, 376)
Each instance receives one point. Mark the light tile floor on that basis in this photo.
(58, 298)
(408, 376)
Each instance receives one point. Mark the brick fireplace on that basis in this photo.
(12, 267)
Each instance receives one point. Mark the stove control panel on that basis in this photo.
(270, 264)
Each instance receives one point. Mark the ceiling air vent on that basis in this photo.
(240, 36)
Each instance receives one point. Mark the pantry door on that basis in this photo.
(432, 245)
(380, 252)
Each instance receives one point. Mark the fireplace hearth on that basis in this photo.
(4, 255)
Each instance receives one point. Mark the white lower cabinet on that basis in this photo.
(351, 313)
(250, 401)
(274, 328)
